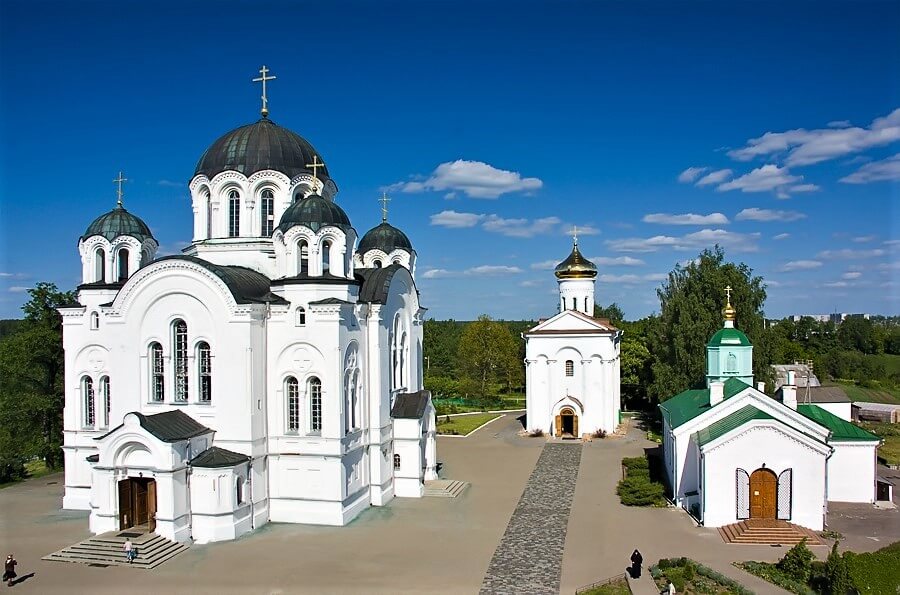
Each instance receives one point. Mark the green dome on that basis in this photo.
(315, 213)
(118, 222)
(384, 237)
(728, 337)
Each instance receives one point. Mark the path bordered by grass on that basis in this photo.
(463, 425)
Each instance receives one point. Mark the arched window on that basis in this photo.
(95, 321)
(404, 361)
(180, 360)
(300, 316)
(574, 304)
(234, 214)
(376, 264)
(326, 257)
(396, 261)
(302, 257)
(292, 392)
(87, 392)
(99, 265)
(204, 371)
(104, 391)
(586, 311)
(354, 400)
(157, 373)
(315, 404)
(209, 214)
(731, 363)
(396, 461)
(570, 367)
(267, 212)
(239, 490)
(122, 261)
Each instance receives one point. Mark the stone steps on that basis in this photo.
(106, 550)
(767, 532)
(444, 488)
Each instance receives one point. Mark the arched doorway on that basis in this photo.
(763, 491)
(137, 503)
(566, 423)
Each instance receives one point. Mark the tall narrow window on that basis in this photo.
(239, 490)
(204, 371)
(95, 321)
(104, 390)
(302, 257)
(267, 212)
(87, 392)
(570, 367)
(179, 359)
(354, 401)
(574, 304)
(292, 391)
(234, 214)
(315, 404)
(122, 261)
(209, 214)
(300, 317)
(585, 305)
(99, 265)
(396, 461)
(157, 374)
(326, 257)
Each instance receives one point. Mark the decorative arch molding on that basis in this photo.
(768, 425)
(268, 177)
(91, 360)
(127, 440)
(142, 280)
(568, 352)
(299, 359)
(568, 401)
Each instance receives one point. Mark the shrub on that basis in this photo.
(631, 463)
(837, 575)
(687, 572)
(770, 573)
(797, 562)
(638, 490)
(599, 434)
(875, 572)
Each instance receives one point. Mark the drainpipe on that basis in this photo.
(703, 489)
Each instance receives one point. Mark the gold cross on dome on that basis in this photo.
(728, 291)
(119, 181)
(575, 234)
(384, 200)
(262, 79)
(315, 165)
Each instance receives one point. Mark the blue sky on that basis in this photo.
(657, 128)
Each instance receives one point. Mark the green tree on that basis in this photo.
(487, 352)
(859, 334)
(797, 562)
(691, 303)
(837, 573)
(612, 312)
(635, 361)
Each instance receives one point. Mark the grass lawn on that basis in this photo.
(871, 395)
(890, 433)
(463, 424)
(617, 587)
(34, 469)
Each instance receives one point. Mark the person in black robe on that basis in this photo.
(636, 560)
(9, 570)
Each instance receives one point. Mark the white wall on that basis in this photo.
(841, 410)
(851, 472)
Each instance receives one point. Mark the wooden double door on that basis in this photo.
(763, 494)
(137, 503)
(566, 423)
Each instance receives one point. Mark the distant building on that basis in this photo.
(837, 317)
(879, 412)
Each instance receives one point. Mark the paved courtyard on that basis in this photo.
(429, 545)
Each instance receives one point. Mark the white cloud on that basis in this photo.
(690, 174)
(755, 214)
(739, 242)
(583, 230)
(804, 147)
(519, 228)
(436, 274)
(847, 254)
(865, 239)
(688, 262)
(836, 284)
(455, 220)
(686, 219)
(803, 188)
(489, 269)
(877, 171)
(18, 289)
(714, 177)
(529, 284)
(475, 178)
(800, 265)
(631, 279)
(545, 265)
(171, 184)
(839, 124)
(782, 236)
(761, 179)
(851, 275)
(624, 261)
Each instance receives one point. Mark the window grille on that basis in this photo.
(157, 373)
(87, 389)
(302, 257)
(742, 495)
(784, 494)
(204, 369)
(180, 360)
(292, 389)
(396, 461)
(570, 367)
(234, 214)
(104, 388)
(267, 212)
(315, 401)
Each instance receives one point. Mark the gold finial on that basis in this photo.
(119, 181)
(315, 165)
(384, 200)
(575, 235)
(262, 79)
(729, 311)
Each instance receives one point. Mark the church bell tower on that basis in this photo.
(576, 276)
(729, 353)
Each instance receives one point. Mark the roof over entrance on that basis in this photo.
(171, 426)
(215, 457)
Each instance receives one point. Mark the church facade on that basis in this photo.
(733, 453)
(572, 360)
(271, 372)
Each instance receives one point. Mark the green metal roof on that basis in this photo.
(729, 336)
(686, 406)
(384, 237)
(118, 222)
(729, 422)
(841, 430)
(315, 213)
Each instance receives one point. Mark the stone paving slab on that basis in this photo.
(529, 556)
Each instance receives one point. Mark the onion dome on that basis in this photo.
(315, 213)
(384, 237)
(728, 336)
(118, 222)
(260, 146)
(576, 266)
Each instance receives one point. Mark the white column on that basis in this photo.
(551, 395)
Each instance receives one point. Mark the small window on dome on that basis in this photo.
(376, 264)
(396, 261)
(302, 257)
(326, 257)
(99, 265)
(267, 212)
(234, 214)
(122, 258)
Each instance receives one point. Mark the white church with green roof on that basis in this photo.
(733, 453)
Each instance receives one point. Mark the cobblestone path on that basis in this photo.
(529, 557)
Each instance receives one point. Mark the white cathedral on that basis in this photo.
(572, 362)
(273, 372)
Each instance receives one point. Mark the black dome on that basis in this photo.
(384, 237)
(315, 213)
(118, 222)
(259, 146)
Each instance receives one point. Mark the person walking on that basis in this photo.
(9, 570)
(636, 560)
(130, 554)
